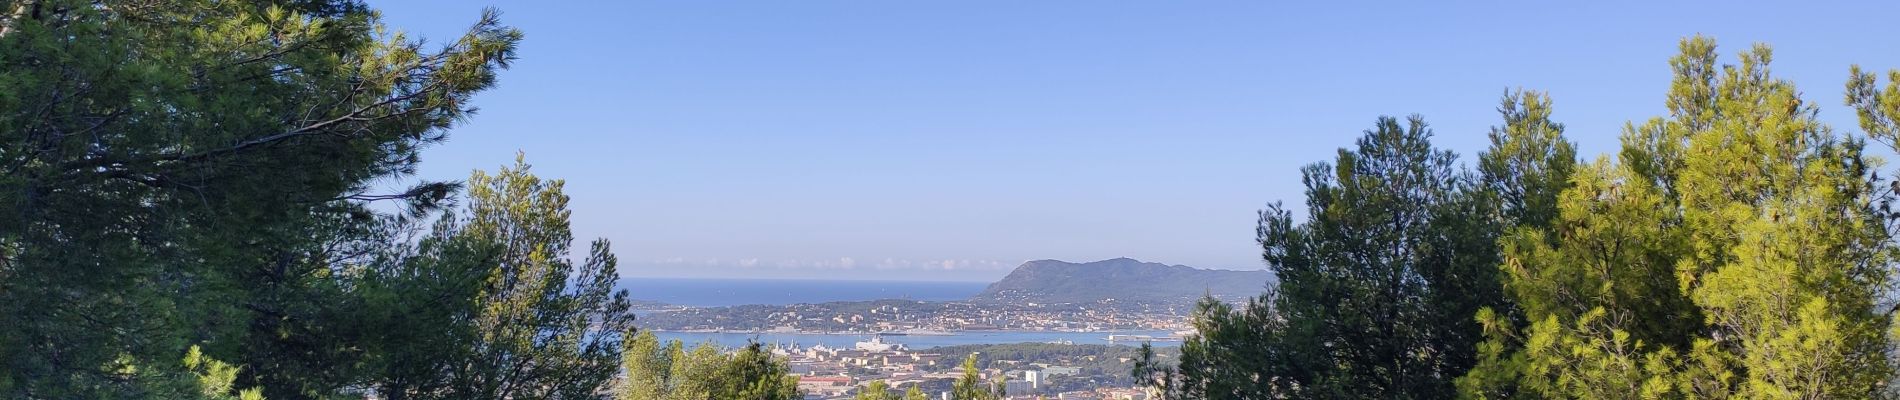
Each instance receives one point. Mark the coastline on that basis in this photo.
(855, 333)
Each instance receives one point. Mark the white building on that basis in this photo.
(1018, 387)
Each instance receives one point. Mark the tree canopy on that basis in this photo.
(185, 173)
(190, 208)
(971, 385)
(1735, 248)
(1376, 288)
(670, 371)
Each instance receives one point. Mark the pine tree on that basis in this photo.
(529, 323)
(915, 394)
(1527, 167)
(876, 390)
(1235, 353)
(1376, 288)
(1731, 251)
(1529, 162)
(704, 372)
(752, 374)
(647, 368)
(971, 386)
(191, 172)
(1879, 112)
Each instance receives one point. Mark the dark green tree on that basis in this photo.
(1528, 165)
(1235, 353)
(532, 324)
(1378, 285)
(1529, 162)
(191, 172)
(753, 374)
(1377, 288)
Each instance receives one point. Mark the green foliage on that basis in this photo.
(1230, 349)
(1529, 162)
(1734, 249)
(971, 385)
(1379, 284)
(647, 368)
(876, 390)
(752, 374)
(197, 377)
(671, 372)
(194, 172)
(1528, 166)
(216, 378)
(915, 394)
(1731, 251)
(1376, 288)
(193, 177)
(530, 323)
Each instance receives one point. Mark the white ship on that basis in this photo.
(877, 343)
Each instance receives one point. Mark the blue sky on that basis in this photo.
(952, 140)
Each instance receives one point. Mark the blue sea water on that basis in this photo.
(731, 292)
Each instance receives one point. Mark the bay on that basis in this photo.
(731, 292)
(699, 292)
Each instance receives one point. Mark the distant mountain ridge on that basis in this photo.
(1120, 280)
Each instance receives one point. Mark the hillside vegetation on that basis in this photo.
(1121, 280)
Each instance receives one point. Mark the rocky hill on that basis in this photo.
(1119, 280)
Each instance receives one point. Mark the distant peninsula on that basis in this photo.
(1119, 280)
(1043, 295)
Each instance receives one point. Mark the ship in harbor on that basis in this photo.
(877, 343)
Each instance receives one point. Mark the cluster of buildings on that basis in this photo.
(894, 315)
(840, 373)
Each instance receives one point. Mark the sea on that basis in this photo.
(731, 292)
